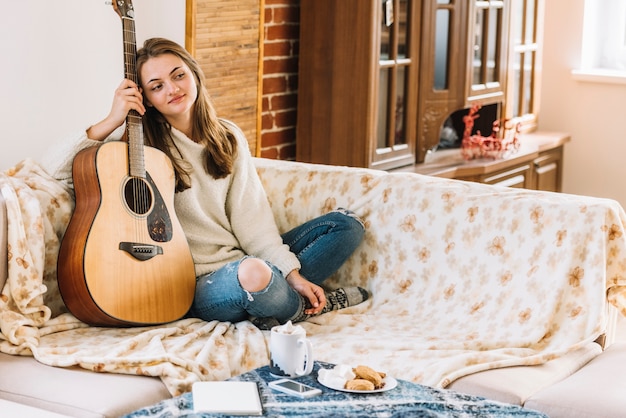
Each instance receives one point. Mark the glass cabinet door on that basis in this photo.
(522, 103)
(442, 32)
(488, 40)
(397, 85)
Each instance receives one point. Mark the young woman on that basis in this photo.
(244, 268)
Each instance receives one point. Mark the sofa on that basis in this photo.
(504, 293)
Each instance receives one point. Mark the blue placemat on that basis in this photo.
(406, 400)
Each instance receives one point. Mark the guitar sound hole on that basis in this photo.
(138, 196)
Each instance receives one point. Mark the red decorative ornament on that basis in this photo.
(498, 145)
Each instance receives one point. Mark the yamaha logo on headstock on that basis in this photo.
(124, 8)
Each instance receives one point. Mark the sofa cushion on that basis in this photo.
(76, 392)
(597, 390)
(516, 384)
(13, 409)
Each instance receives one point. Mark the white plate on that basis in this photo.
(390, 383)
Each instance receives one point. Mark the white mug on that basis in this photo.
(291, 355)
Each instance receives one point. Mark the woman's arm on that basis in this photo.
(58, 160)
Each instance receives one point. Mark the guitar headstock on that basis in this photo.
(124, 8)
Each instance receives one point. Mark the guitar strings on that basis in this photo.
(135, 136)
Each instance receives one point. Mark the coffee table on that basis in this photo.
(407, 399)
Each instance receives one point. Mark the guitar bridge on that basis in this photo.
(141, 252)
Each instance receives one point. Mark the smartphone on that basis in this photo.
(294, 388)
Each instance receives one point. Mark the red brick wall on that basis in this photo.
(280, 79)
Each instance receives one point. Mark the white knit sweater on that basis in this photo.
(223, 219)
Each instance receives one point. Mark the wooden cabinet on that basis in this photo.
(540, 173)
(464, 61)
(442, 70)
(548, 170)
(537, 165)
(520, 176)
(380, 79)
(357, 92)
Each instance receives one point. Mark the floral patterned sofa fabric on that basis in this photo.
(464, 278)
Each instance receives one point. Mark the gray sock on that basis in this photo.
(335, 300)
(344, 297)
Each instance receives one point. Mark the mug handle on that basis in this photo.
(309, 357)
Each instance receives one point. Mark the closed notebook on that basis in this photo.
(228, 397)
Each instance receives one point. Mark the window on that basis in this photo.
(604, 39)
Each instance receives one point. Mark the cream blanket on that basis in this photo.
(464, 277)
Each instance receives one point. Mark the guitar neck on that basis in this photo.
(134, 127)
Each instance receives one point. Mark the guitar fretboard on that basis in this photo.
(134, 127)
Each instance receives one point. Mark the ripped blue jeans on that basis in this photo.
(322, 245)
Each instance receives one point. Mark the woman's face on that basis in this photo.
(169, 85)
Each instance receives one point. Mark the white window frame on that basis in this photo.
(603, 54)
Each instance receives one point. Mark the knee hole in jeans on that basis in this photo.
(254, 274)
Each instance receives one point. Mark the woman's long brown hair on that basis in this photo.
(220, 144)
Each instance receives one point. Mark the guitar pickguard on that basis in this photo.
(159, 221)
(143, 197)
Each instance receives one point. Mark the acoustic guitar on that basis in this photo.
(124, 259)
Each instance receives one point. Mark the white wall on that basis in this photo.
(594, 113)
(61, 61)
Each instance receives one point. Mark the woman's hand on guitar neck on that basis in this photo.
(127, 97)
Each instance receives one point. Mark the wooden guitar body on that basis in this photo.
(124, 259)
